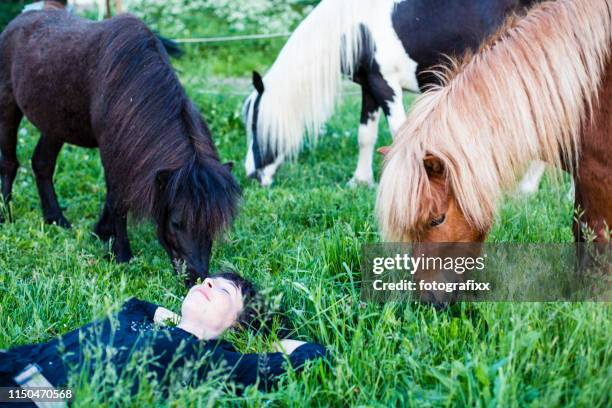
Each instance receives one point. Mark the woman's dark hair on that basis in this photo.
(250, 297)
(256, 314)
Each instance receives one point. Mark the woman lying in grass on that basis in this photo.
(221, 302)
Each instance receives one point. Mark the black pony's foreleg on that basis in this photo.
(104, 227)
(121, 244)
(10, 117)
(113, 224)
(43, 164)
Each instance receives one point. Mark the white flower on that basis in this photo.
(261, 16)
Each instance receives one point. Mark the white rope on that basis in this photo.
(221, 93)
(230, 38)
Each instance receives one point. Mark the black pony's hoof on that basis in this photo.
(123, 255)
(123, 258)
(118, 258)
(60, 221)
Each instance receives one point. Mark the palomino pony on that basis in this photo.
(110, 85)
(385, 46)
(540, 89)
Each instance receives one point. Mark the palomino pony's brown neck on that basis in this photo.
(594, 177)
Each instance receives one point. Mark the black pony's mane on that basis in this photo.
(162, 147)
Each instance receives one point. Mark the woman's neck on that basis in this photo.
(200, 332)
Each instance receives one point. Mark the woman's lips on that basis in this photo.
(203, 293)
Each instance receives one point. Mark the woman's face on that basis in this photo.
(213, 306)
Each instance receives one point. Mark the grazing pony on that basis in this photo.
(110, 85)
(540, 89)
(385, 46)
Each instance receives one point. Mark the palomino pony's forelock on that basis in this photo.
(524, 96)
(304, 83)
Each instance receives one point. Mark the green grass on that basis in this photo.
(302, 239)
(231, 58)
(8, 10)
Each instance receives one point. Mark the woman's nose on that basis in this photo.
(208, 283)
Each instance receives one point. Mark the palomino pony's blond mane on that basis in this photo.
(524, 96)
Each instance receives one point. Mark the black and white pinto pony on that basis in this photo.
(385, 46)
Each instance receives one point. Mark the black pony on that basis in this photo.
(110, 85)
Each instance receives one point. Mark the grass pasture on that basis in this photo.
(301, 239)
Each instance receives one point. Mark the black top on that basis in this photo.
(132, 337)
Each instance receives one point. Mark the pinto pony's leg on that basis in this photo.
(43, 164)
(377, 92)
(10, 117)
(368, 133)
(397, 113)
(389, 94)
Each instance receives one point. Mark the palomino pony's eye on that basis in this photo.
(438, 221)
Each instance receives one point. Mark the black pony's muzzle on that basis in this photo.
(191, 273)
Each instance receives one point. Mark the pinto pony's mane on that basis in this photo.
(163, 147)
(526, 95)
(303, 84)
